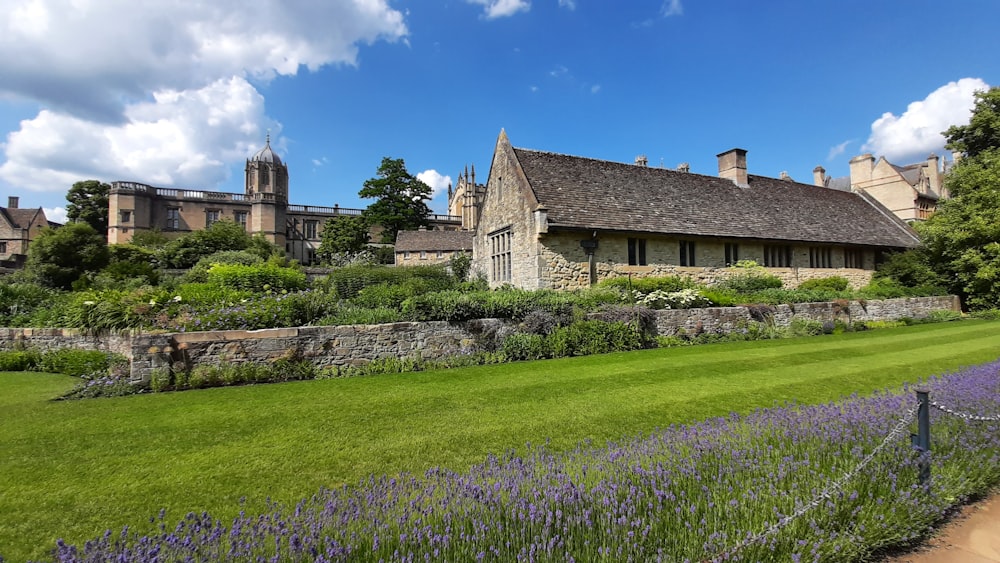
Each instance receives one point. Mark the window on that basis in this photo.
(406, 255)
(211, 216)
(820, 257)
(126, 216)
(423, 255)
(853, 258)
(636, 252)
(173, 218)
(500, 254)
(311, 227)
(732, 253)
(777, 256)
(240, 217)
(440, 254)
(687, 253)
(3, 247)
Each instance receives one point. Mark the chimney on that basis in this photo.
(785, 176)
(733, 166)
(684, 167)
(861, 169)
(641, 160)
(12, 202)
(819, 176)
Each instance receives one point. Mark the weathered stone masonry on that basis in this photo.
(359, 344)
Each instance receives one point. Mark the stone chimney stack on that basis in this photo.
(641, 160)
(733, 166)
(684, 167)
(819, 176)
(12, 201)
(861, 169)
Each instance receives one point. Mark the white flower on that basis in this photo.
(176, 299)
(89, 303)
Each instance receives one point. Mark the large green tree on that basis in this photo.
(58, 257)
(400, 199)
(342, 235)
(962, 238)
(88, 202)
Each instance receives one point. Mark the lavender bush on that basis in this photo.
(718, 490)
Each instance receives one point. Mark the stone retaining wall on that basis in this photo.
(359, 344)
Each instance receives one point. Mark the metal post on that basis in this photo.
(922, 440)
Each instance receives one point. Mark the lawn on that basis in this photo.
(73, 469)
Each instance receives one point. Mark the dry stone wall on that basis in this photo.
(359, 344)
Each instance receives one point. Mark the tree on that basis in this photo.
(185, 251)
(401, 199)
(983, 131)
(88, 202)
(59, 257)
(342, 235)
(962, 238)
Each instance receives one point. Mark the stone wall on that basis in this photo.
(359, 344)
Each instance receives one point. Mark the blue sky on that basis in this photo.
(181, 96)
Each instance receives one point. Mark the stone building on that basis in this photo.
(557, 221)
(18, 227)
(263, 208)
(422, 247)
(910, 191)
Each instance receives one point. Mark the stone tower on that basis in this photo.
(466, 199)
(267, 189)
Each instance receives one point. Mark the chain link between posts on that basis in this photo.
(828, 492)
(965, 416)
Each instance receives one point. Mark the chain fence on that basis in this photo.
(922, 441)
(828, 492)
(964, 416)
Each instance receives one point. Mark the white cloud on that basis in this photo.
(595, 88)
(559, 72)
(158, 90)
(917, 131)
(838, 150)
(179, 138)
(569, 4)
(439, 183)
(91, 58)
(493, 9)
(56, 214)
(671, 8)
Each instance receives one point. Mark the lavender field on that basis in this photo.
(778, 484)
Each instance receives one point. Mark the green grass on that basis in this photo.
(72, 469)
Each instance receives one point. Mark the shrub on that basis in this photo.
(943, 315)
(883, 288)
(987, 314)
(355, 315)
(19, 360)
(750, 281)
(199, 273)
(521, 346)
(803, 327)
(719, 297)
(257, 277)
(583, 338)
(833, 283)
(645, 285)
(20, 300)
(539, 322)
(77, 363)
(683, 299)
(347, 282)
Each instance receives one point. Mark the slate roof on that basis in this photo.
(19, 218)
(448, 241)
(584, 193)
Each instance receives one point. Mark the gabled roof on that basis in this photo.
(446, 241)
(584, 193)
(20, 218)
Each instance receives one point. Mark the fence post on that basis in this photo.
(922, 439)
